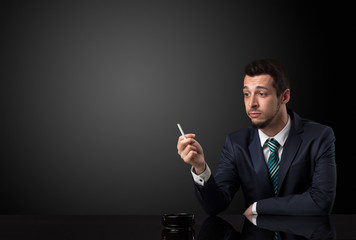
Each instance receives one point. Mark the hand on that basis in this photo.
(191, 152)
(250, 219)
(248, 213)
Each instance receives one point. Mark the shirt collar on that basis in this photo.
(281, 137)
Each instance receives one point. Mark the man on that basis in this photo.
(284, 164)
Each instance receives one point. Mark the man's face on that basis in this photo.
(261, 102)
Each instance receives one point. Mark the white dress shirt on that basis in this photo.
(281, 137)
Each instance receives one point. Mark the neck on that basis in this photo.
(278, 123)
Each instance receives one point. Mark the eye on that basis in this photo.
(262, 94)
(247, 94)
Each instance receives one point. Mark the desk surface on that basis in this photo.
(150, 227)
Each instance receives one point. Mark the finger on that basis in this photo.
(183, 143)
(190, 135)
(192, 148)
(187, 150)
(189, 158)
(183, 140)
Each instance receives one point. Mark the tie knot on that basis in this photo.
(272, 144)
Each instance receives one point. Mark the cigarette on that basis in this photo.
(181, 130)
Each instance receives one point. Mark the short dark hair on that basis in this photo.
(272, 68)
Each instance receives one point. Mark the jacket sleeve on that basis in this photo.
(319, 197)
(308, 227)
(217, 193)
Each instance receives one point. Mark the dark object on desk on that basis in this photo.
(178, 233)
(178, 220)
(178, 226)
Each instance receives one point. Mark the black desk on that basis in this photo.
(150, 227)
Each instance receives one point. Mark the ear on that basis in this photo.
(285, 96)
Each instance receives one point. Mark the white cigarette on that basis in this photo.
(181, 130)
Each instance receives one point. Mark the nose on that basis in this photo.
(253, 101)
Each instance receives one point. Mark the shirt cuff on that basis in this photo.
(254, 208)
(202, 178)
(254, 211)
(254, 220)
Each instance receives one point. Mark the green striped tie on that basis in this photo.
(273, 163)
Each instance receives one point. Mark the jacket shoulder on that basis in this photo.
(312, 128)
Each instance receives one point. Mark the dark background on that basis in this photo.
(91, 93)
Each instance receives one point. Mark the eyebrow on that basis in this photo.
(258, 87)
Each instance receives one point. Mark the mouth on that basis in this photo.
(254, 114)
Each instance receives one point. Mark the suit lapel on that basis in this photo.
(290, 149)
(259, 164)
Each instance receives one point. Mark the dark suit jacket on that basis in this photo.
(290, 227)
(307, 173)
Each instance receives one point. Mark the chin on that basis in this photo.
(260, 124)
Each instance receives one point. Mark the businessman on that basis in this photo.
(285, 165)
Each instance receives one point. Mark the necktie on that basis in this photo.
(273, 163)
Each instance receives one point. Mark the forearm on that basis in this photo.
(205, 191)
(211, 197)
(298, 204)
(217, 192)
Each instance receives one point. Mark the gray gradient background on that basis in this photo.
(91, 94)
